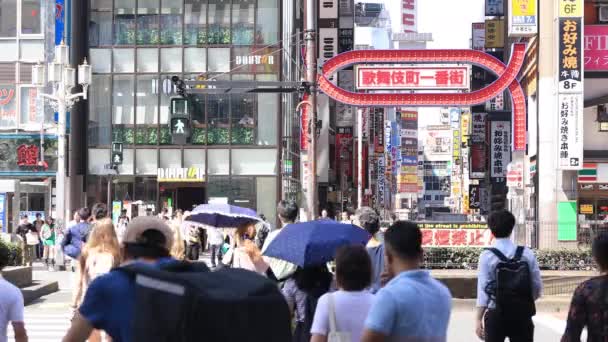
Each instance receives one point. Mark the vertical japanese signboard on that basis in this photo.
(523, 18)
(500, 145)
(570, 55)
(495, 8)
(570, 86)
(478, 145)
(479, 36)
(474, 196)
(495, 37)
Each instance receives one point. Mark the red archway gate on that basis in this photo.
(506, 80)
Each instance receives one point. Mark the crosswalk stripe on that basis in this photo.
(43, 327)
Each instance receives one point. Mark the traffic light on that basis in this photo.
(116, 154)
(180, 120)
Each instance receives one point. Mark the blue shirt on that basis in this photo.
(109, 303)
(413, 306)
(487, 270)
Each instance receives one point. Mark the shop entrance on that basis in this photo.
(182, 196)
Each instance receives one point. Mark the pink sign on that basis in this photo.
(596, 47)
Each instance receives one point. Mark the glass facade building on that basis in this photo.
(135, 47)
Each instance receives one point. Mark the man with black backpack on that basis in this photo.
(508, 284)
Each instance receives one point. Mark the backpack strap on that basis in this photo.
(518, 253)
(498, 254)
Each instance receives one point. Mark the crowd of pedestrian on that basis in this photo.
(377, 292)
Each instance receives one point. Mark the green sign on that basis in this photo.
(566, 221)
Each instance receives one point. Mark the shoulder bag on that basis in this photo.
(335, 335)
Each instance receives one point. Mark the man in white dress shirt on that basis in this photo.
(493, 325)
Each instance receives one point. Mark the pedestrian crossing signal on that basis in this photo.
(116, 154)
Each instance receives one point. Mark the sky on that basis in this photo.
(448, 20)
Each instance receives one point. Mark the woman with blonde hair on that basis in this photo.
(178, 250)
(100, 254)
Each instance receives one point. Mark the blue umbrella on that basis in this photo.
(314, 243)
(223, 215)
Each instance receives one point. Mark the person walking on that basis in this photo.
(193, 242)
(216, 240)
(26, 231)
(302, 292)
(246, 254)
(38, 223)
(280, 270)
(589, 306)
(98, 211)
(412, 306)
(505, 308)
(99, 255)
(76, 236)
(109, 302)
(348, 307)
(11, 303)
(48, 236)
(368, 219)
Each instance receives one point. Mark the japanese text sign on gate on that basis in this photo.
(370, 77)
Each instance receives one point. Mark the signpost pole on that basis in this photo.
(310, 36)
(360, 158)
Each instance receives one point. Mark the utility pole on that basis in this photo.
(359, 157)
(310, 37)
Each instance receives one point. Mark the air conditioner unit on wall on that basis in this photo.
(603, 13)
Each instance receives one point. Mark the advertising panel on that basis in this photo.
(570, 124)
(455, 234)
(438, 144)
(344, 151)
(523, 18)
(328, 47)
(478, 146)
(500, 146)
(409, 16)
(445, 77)
(24, 154)
(328, 9)
(474, 196)
(496, 104)
(495, 37)
(479, 36)
(495, 8)
(380, 181)
(596, 48)
(378, 129)
(8, 105)
(571, 8)
(570, 55)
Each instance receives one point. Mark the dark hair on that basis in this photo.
(84, 213)
(368, 219)
(404, 238)
(5, 255)
(353, 268)
(99, 211)
(165, 210)
(314, 280)
(150, 244)
(38, 215)
(24, 216)
(287, 211)
(599, 250)
(501, 223)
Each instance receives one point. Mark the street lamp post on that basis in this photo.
(62, 78)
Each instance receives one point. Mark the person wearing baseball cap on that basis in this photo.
(109, 303)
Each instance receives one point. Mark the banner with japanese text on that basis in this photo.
(445, 77)
(570, 125)
(570, 55)
(500, 148)
(25, 154)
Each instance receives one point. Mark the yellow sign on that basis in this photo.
(465, 120)
(571, 8)
(522, 8)
(409, 169)
(408, 179)
(186, 175)
(586, 209)
(495, 33)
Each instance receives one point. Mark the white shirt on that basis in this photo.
(11, 306)
(216, 238)
(487, 270)
(350, 308)
(281, 268)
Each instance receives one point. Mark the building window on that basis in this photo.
(124, 22)
(100, 104)
(243, 16)
(219, 22)
(147, 22)
(8, 19)
(171, 22)
(267, 25)
(31, 18)
(195, 22)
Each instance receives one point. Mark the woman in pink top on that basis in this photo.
(100, 254)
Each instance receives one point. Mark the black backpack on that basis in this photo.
(512, 289)
(183, 301)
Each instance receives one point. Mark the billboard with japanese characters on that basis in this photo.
(500, 148)
(23, 154)
(439, 77)
(570, 55)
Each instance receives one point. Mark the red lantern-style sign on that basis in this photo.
(507, 79)
(27, 155)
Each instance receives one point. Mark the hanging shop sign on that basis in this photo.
(571, 8)
(596, 48)
(328, 47)
(25, 154)
(494, 35)
(328, 9)
(569, 57)
(500, 148)
(375, 78)
(186, 174)
(380, 181)
(515, 175)
(479, 36)
(570, 127)
(474, 198)
(409, 16)
(304, 122)
(523, 18)
(586, 209)
(255, 60)
(496, 104)
(495, 8)
(438, 144)
(8, 106)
